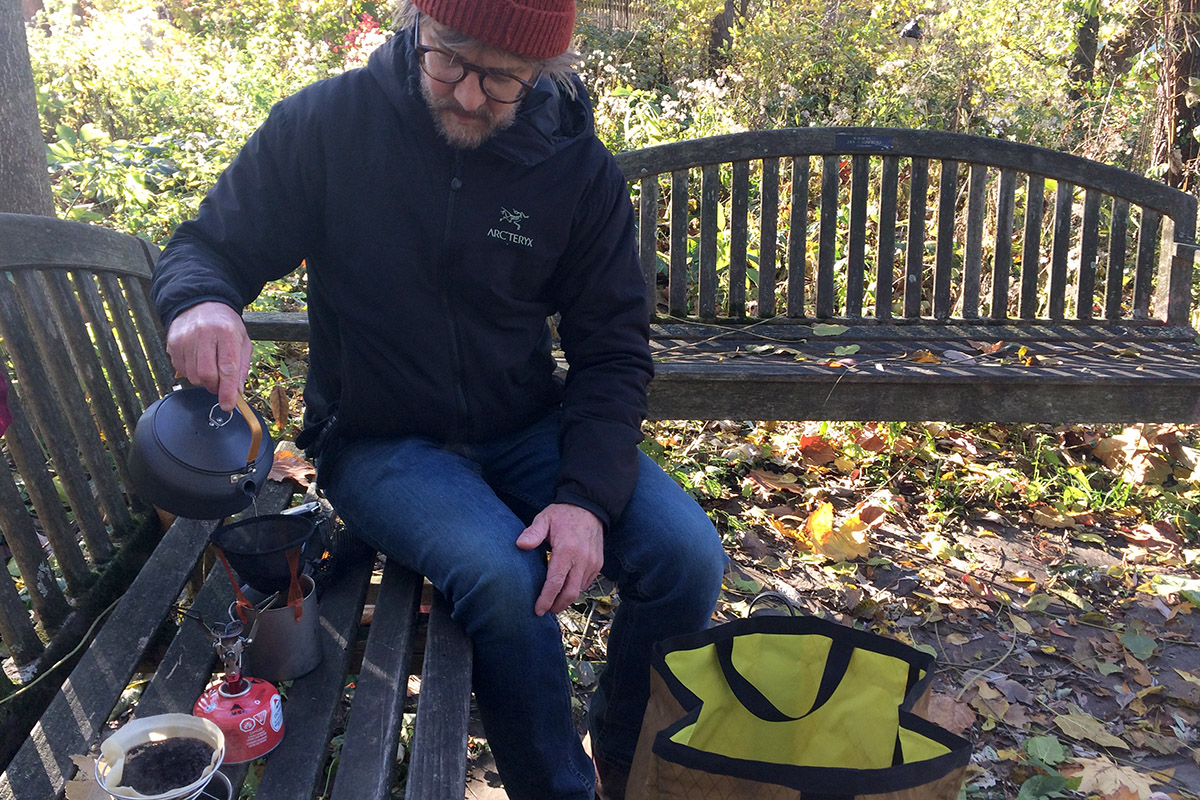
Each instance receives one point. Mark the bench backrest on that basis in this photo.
(890, 225)
(84, 355)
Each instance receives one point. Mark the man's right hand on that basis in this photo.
(209, 347)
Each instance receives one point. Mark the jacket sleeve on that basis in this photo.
(254, 226)
(605, 332)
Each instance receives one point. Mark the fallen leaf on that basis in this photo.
(289, 466)
(841, 543)
(84, 786)
(278, 400)
(1049, 517)
(1082, 726)
(986, 347)
(1109, 780)
(953, 715)
(823, 329)
(1190, 677)
(774, 481)
(924, 357)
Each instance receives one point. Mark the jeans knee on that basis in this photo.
(496, 600)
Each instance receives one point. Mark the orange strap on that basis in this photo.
(295, 595)
(242, 603)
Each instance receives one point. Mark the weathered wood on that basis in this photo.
(1175, 269)
(15, 626)
(886, 257)
(115, 367)
(1115, 275)
(76, 716)
(1089, 243)
(22, 540)
(49, 418)
(739, 236)
(973, 250)
(797, 254)
(33, 298)
(139, 366)
(88, 372)
(1143, 269)
(916, 143)
(768, 232)
(439, 757)
(38, 243)
(710, 193)
(856, 247)
(293, 768)
(1031, 245)
(648, 237)
(827, 241)
(677, 274)
(1060, 248)
(915, 246)
(1002, 263)
(367, 768)
(944, 256)
(150, 332)
(30, 460)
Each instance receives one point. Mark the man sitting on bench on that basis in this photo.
(446, 200)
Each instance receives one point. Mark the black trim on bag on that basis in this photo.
(812, 782)
(863, 640)
(754, 701)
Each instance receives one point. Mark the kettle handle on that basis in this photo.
(256, 431)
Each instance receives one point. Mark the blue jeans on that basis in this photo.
(453, 513)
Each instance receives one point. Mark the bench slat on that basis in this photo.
(886, 257)
(944, 257)
(439, 760)
(710, 192)
(1031, 245)
(827, 243)
(1143, 277)
(797, 254)
(1059, 249)
(1088, 248)
(368, 763)
(293, 768)
(973, 251)
(857, 246)
(648, 237)
(739, 235)
(768, 233)
(915, 248)
(677, 299)
(150, 330)
(1115, 276)
(1002, 263)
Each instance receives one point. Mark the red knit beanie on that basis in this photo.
(533, 29)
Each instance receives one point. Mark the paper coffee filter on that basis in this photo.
(110, 766)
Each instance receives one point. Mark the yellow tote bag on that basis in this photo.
(795, 708)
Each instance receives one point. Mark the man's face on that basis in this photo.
(465, 116)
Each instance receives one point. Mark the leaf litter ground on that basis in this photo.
(1054, 571)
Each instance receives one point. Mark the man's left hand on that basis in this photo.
(576, 539)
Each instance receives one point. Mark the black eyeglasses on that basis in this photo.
(447, 67)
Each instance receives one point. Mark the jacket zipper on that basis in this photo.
(462, 422)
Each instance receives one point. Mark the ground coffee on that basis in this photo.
(158, 767)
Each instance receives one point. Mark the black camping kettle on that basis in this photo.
(195, 460)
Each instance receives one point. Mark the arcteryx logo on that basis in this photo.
(511, 219)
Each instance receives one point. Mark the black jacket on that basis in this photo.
(432, 270)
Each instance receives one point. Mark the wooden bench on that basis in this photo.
(905, 275)
(72, 260)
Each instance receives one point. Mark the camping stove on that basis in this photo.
(247, 710)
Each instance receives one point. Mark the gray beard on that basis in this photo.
(457, 137)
